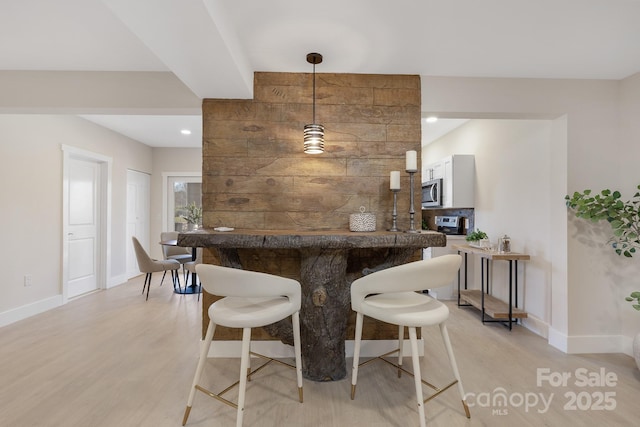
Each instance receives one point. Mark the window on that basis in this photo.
(184, 193)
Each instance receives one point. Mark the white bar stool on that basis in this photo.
(251, 300)
(392, 296)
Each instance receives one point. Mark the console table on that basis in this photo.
(496, 309)
(329, 261)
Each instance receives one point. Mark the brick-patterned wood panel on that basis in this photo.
(253, 160)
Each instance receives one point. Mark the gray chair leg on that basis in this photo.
(175, 275)
(163, 274)
(148, 285)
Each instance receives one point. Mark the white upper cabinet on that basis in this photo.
(458, 179)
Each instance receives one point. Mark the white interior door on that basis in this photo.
(138, 209)
(83, 226)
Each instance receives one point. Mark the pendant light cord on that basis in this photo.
(314, 93)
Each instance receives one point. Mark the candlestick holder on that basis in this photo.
(394, 214)
(412, 225)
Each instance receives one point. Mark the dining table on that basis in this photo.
(193, 288)
(326, 262)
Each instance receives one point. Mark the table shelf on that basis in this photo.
(493, 306)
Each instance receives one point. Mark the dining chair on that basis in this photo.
(191, 271)
(149, 266)
(180, 253)
(394, 296)
(250, 300)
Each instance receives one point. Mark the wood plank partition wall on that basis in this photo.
(256, 175)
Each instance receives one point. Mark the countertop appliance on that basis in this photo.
(432, 193)
(450, 224)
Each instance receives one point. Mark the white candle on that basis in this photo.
(412, 161)
(395, 180)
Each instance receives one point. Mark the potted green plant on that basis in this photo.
(634, 297)
(193, 216)
(477, 238)
(624, 218)
(476, 235)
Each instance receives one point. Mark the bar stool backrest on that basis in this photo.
(414, 276)
(234, 282)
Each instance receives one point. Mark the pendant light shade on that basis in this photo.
(314, 133)
(313, 139)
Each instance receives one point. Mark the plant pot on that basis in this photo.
(636, 349)
(480, 244)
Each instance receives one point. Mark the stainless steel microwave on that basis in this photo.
(432, 193)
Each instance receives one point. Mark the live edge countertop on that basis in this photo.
(292, 239)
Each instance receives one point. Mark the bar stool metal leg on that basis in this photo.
(400, 345)
(295, 319)
(204, 351)
(244, 364)
(356, 354)
(416, 374)
(454, 367)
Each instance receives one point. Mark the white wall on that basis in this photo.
(585, 308)
(511, 187)
(31, 213)
(625, 276)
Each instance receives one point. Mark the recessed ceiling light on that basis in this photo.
(432, 119)
(185, 132)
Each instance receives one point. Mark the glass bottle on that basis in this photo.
(504, 244)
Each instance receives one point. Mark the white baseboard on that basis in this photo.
(537, 326)
(579, 344)
(276, 349)
(558, 340)
(19, 313)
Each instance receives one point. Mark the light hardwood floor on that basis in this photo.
(113, 359)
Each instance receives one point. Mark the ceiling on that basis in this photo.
(214, 46)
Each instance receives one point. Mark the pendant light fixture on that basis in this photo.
(314, 133)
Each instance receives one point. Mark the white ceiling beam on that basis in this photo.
(95, 92)
(190, 38)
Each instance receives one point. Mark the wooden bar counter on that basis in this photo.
(325, 263)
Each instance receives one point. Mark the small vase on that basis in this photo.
(636, 349)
